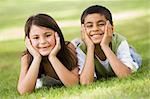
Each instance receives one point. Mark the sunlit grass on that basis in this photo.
(15, 12)
(136, 86)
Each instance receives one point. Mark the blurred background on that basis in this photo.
(131, 19)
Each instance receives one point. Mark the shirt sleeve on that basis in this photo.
(81, 56)
(39, 83)
(123, 54)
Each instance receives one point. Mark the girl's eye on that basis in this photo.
(48, 35)
(36, 37)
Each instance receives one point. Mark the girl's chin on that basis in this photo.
(45, 54)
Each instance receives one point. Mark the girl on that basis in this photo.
(47, 56)
(107, 53)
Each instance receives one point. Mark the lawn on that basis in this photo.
(15, 12)
(136, 86)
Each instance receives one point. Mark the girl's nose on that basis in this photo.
(42, 40)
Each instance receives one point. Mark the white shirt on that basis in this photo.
(123, 54)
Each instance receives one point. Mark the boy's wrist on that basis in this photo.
(90, 49)
(103, 46)
(92, 46)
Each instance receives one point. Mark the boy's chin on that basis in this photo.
(97, 42)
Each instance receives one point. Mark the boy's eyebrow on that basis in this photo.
(101, 21)
(98, 22)
(89, 23)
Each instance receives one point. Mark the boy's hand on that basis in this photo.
(89, 43)
(107, 35)
(57, 47)
(30, 48)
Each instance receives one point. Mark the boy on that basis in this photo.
(103, 53)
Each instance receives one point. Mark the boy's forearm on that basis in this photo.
(118, 67)
(87, 74)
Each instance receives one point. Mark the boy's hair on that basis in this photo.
(97, 9)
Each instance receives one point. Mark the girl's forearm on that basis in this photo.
(67, 77)
(28, 83)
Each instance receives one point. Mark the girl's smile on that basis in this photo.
(42, 39)
(43, 48)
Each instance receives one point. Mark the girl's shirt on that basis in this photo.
(48, 76)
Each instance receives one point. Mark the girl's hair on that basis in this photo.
(65, 54)
(97, 9)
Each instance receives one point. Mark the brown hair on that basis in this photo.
(65, 54)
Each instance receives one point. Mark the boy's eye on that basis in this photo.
(101, 24)
(89, 25)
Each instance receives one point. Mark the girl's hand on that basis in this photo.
(30, 48)
(57, 47)
(107, 35)
(89, 43)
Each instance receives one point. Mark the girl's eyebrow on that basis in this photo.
(34, 35)
(47, 33)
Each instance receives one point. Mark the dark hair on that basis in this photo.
(65, 54)
(97, 9)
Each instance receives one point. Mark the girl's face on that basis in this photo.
(95, 26)
(42, 39)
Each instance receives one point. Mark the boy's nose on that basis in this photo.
(98, 28)
(95, 28)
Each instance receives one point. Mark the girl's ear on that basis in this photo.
(25, 37)
(56, 34)
(113, 29)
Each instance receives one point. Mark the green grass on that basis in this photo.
(136, 86)
(132, 87)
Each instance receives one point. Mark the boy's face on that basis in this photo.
(95, 26)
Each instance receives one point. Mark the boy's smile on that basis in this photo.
(95, 26)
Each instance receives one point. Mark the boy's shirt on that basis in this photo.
(122, 52)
